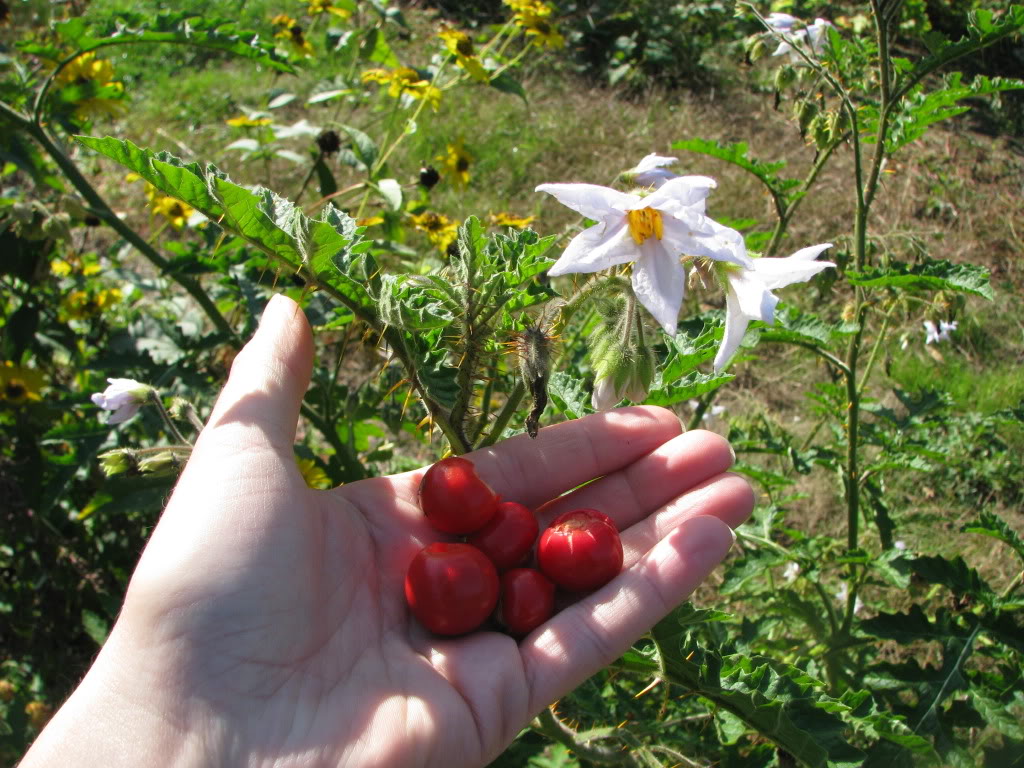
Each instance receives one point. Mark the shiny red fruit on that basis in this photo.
(451, 588)
(527, 600)
(508, 537)
(580, 550)
(454, 499)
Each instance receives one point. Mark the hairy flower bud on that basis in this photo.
(623, 363)
(756, 47)
(124, 397)
(163, 463)
(118, 461)
(784, 77)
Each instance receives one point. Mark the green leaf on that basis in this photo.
(95, 626)
(180, 27)
(930, 274)
(327, 247)
(998, 715)
(508, 84)
(686, 353)
(736, 154)
(955, 574)
(569, 395)
(913, 625)
(694, 385)
(991, 524)
(794, 326)
(363, 146)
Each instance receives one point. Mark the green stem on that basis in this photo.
(504, 416)
(549, 725)
(786, 216)
(702, 407)
(874, 352)
(154, 398)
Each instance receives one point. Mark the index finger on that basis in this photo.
(564, 456)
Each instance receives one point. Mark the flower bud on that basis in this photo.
(163, 463)
(756, 47)
(124, 397)
(819, 130)
(805, 111)
(784, 77)
(118, 461)
(622, 362)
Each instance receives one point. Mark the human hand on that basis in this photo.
(266, 621)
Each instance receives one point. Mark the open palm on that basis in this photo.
(266, 622)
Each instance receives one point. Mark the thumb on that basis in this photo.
(259, 407)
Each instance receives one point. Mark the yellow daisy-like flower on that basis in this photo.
(457, 161)
(60, 268)
(100, 74)
(19, 384)
(107, 298)
(175, 211)
(314, 476)
(440, 230)
(511, 220)
(404, 80)
(534, 17)
(244, 121)
(460, 45)
(325, 6)
(291, 32)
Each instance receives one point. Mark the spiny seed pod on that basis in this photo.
(805, 111)
(818, 130)
(118, 461)
(838, 125)
(429, 177)
(784, 77)
(756, 47)
(534, 348)
(328, 142)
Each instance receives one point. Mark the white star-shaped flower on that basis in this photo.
(815, 35)
(749, 293)
(653, 231)
(652, 171)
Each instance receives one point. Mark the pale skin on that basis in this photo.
(266, 625)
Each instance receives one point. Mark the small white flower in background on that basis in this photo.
(844, 594)
(714, 411)
(900, 545)
(651, 171)
(653, 231)
(791, 572)
(749, 292)
(124, 397)
(791, 33)
(935, 334)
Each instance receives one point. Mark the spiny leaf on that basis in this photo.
(991, 524)
(736, 154)
(179, 27)
(931, 274)
(694, 385)
(569, 395)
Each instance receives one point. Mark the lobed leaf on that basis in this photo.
(930, 274)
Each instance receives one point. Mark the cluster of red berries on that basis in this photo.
(453, 588)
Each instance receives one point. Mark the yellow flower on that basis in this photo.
(511, 220)
(175, 211)
(19, 384)
(108, 297)
(100, 74)
(293, 34)
(369, 221)
(441, 231)
(404, 80)
(314, 476)
(60, 268)
(325, 6)
(244, 121)
(39, 713)
(460, 46)
(457, 160)
(534, 17)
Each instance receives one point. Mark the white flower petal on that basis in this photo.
(604, 396)
(123, 413)
(593, 201)
(708, 239)
(599, 247)
(781, 21)
(685, 191)
(735, 327)
(653, 161)
(777, 273)
(753, 298)
(658, 282)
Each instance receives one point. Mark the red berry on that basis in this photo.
(508, 537)
(527, 600)
(451, 588)
(580, 550)
(454, 499)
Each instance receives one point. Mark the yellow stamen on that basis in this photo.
(643, 223)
